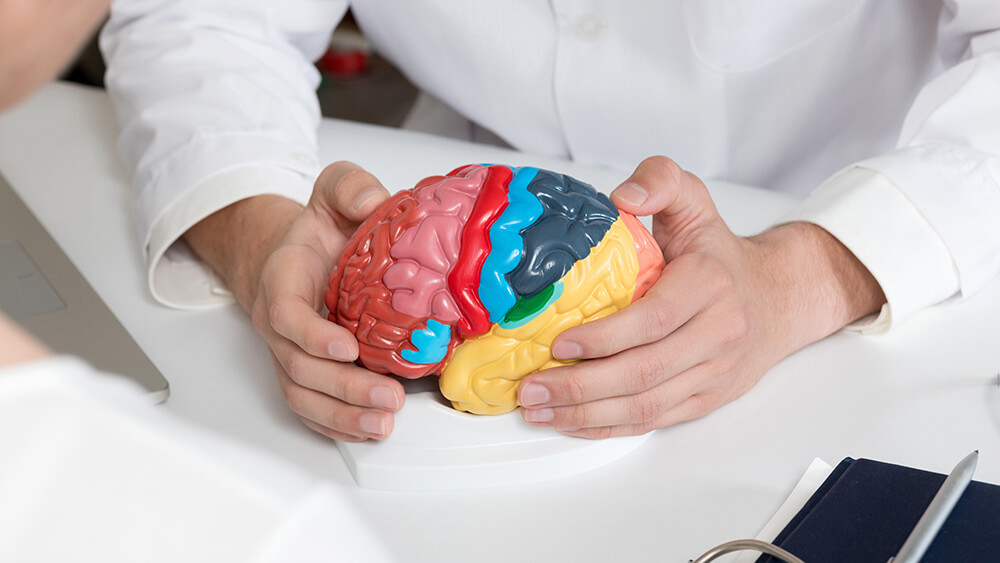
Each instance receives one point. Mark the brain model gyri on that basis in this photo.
(472, 276)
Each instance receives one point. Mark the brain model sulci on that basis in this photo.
(472, 275)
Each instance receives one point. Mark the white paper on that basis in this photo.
(811, 480)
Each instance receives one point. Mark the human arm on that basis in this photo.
(278, 270)
(922, 217)
(216, 103)
(216, 100)
(920, 221)
(725, 309)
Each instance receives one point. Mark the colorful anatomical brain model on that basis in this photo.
(472, 276)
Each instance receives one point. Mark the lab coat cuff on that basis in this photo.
(161, 186)
(869, 215)
(177, 277)
(957, 189)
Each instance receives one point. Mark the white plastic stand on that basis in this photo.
(434, 447)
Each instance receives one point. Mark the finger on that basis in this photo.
(330, 412)
(687, 285)
(660, 185)
(636, 370)
(348, 383)
(331, 433)
(344, 188)
(627, 373)
(645, 411)
(681, 206)
(292, 284)
(294, 319)
(693, 407)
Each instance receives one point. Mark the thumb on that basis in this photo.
(660, 187)
(344, 189)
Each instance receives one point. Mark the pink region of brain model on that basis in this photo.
(471, 275)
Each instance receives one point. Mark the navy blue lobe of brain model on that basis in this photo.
(574, 219)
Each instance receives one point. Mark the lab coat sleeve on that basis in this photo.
(923, 218)
(216, 102)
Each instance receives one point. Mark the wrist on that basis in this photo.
(814, 281)
(236, 240)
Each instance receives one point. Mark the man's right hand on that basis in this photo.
(276, 256)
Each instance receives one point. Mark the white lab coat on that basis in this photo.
(890, 107)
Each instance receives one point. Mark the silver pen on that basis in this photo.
(937, 511)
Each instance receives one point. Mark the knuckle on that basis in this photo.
(271, 267)
(643, 409)
(702, 262)
(294, 366)
(649, 426)
(713, 401)
(644, 372)
(331, 419)
(737, 328)
(602, 433)
(726, 280)
(352, 179)
(349, 390)
(313, 341)
(294, 399)
(259, 316)
(341, 166)
(701, 404)
(274, 313)
(720, 278)
(335, 171)
(658, 321)
(573, 417)
(724, 372)
(664, 167)
(576, 391)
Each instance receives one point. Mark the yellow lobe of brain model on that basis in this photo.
(483, 374)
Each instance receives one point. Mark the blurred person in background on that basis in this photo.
(91, 471)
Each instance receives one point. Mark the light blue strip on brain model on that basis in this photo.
(506, 244)
(431, 343)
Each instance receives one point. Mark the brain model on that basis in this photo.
(472, 276)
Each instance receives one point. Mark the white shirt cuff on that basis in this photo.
(177, 278)
(869, 215)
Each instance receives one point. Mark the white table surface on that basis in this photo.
(924, 395)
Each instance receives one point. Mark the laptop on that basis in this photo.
(42, 291)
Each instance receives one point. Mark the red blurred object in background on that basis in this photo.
(343, 64)
(349, 54)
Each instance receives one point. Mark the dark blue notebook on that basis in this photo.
(865, 510)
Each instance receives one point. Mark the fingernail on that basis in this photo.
(340, 351)
(566, 350)
(538, 415)
(631, 193)
(534, 394)
(373, 423)
(384, 398)
(365, 196)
